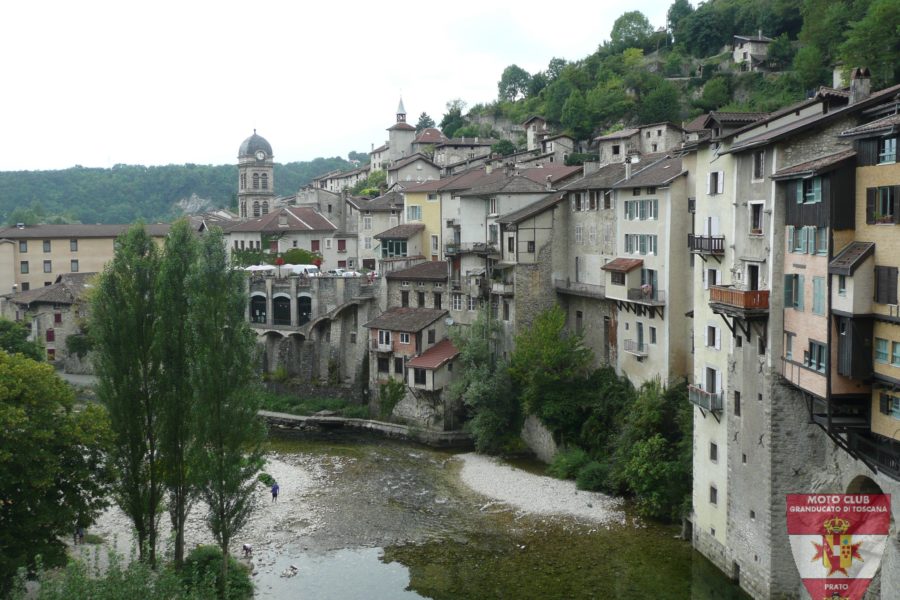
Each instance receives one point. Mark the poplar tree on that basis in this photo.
(123, 325)
(175, 393)
(229, 432)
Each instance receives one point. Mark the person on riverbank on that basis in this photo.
(275, 490)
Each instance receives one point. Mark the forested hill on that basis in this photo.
(126, 193)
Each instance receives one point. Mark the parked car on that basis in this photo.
(308, 270)
(351, 274)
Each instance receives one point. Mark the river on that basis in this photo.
(388, 520)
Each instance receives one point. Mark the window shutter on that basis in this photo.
(803, 237)
(891, 285)
(720, 182)
(705, 280)
(800, 292)
(789, 290)
(718, 382)
(709, 180)
(798, 192)
(714, 225)
(790, 192)
(811, 240)
(867, 152)
(718, 339)
(790, 238)
(884, 404)
(896, 204)
(870, 205)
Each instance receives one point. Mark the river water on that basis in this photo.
(394, 521)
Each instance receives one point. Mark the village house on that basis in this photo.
(750, 53)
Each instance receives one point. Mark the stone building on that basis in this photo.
(256, 177)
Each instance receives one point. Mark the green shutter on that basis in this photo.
(799, 191)
(811, 240)
(803, 235)
(790, 238)
(800, 293)
(870, 205)
(788, 290)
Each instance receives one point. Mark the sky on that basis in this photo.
(98, 83)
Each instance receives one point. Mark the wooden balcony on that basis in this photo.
(501, 289)
(707, 244)
(739, 303)
(711, 401)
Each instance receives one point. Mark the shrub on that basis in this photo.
(594, 477)
(202, 569)
(567, 463)
(355, 411)
(266, 479)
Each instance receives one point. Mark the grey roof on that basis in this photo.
(658, 173)
(515, 184)
(432, 270)
(67, 289)
(392, 200)
(400, 109)
(252, 144)
(885, 125)
(814, 167)
(853, 255)
(603, 178)
(616, 135)
(517, 216)
(409, 160)
(77, 230)
(401, 232)
(406, 318)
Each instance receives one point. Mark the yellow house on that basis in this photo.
(422, 204)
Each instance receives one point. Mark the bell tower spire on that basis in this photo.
(401, 112)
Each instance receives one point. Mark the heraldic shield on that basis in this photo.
(837, 541)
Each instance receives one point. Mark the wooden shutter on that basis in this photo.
(789, 290)
(803, 236)
(709, 179)
(871, 194)
(790, 192)
(718, 338)
(811, 240)
(720, 182)
(867, 153)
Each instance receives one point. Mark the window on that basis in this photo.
(887, 150)
(432, 197)
(414, 212)
(367, 243)
(716, 183)
(759, 163)
(255, 186)
(884, 205)
(713, 495)
(404, 283)
(23, 267)
(881, 350)
(434, 243)
(615, 150)
(737, 403)
(328, 243)
(793, 291)
(367, 222)
(457, 302)
(789, 345)
(842, 285)
(438, 300)
(530, 246)
(264, 179)
(404, 338)
(57, 318)
(511, 244)
(592, 234)
(713, 452)
(419, 376)
(505, 310)
(607, 200)
(384, 337)
(51, 354)
(73, 245)
(889, 405)
(314, 245)
(48, 266)
(51, 335)
(756, 218)
(815, 357)
(579, 234)
(653, 335)
(822, 239)
(473, 303)
(618, 278)
(398, 365)
(26, 286)
(713, 337)
(23, 245)
(420, 299)
(651, 190)
(431, 336)
(493, 206)
(73, 265)
(640, 243)
(809, 191)
(636, 192)
(886, 285)
(342, 245)
(576, 201)
(46, 245)
(642, 210)
(895, 354)
(818, 306)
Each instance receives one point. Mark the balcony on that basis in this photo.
(639, 349)
(710, 401)
(501, 289)
(881, 453)
(379, 346)
(734, 302)
(647, 294)
(487, 249)
(577, 288)
(707, 244)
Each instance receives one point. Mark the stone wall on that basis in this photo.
(539, 439)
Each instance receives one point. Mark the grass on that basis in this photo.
(309, 406)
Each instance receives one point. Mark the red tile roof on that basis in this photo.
(623, 265)
(430, 136)
(435, 356)
(406, 318)
(434, 270)
(296, 218)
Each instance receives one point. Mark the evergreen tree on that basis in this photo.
(175, 393)
(229, 432)
(127, 369)
(424, 122)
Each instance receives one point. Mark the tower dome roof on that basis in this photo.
(252, 144)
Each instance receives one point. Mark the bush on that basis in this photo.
(355, 411)
(567, 463)
(266, 479)
(594, 477)
(203, 567)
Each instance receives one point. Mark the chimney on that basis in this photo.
(509, 169)
(628, 168)
(760, 33)
(860, 85)
(549, 183)
(373, 147)
(590, 167)
(488, 169)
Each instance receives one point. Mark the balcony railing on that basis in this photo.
(707, 244)
(579, 288)
(381, 346)
(455, 248)
(636, 348)
(711, 401)
(502, 289)
(756, 300)
(885, 454)
(647, 294)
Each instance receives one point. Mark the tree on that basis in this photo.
(715, 94)
(513, 82)
(53, 471)
(631, 30)
(548, 363)
(503, 148)
(661, 104)
(780, 53)
(874, 41)
(14, 339)
(484, 387)
(809, 67)
(575, 116)
(453, 118)
(229, 432)
(677, 11)
(424, 122)
(123, 325)
(555, 68)
(300, 256)
(701, 32)
(175, 394)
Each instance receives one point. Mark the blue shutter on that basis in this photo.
(800, 293)
(790, 238)
(803, 235)
(788, 290)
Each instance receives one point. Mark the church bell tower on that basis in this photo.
(256, 178)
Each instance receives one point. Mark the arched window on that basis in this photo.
(255, 208)
(243, 181)
(256, 181)
(265, 206)
(265, 181)
(243, 209)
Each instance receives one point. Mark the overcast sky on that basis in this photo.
(99, 83)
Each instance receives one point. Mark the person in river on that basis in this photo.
(275, 490)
